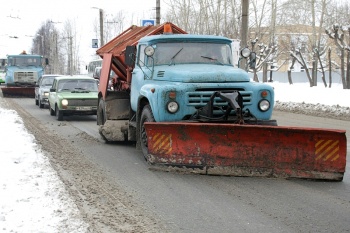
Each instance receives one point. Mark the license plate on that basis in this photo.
(83, 108)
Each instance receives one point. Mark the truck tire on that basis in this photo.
(101, 112)
(59, 114)
(146, 116)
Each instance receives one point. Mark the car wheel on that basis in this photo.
(59, 114)
(146, 116)
(41, 105)
(52, 112)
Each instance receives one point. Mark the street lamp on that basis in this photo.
(101, 24)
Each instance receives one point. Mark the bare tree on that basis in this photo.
(69, 42)
(114, 25)
(214, 17)
(337, 34)
(45, 43)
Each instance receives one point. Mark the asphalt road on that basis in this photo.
(197, 203)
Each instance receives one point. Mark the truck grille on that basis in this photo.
(201, 97)
(25, 77)
(82, 102)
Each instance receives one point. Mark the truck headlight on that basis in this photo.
(173, 106)
(245, 52)
(46, 94)
(264, 105)
(64, 102)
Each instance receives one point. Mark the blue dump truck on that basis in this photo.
(22, 72)
(180, 98)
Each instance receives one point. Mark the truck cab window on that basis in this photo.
(142, 56)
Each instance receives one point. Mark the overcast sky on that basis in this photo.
(23, 18)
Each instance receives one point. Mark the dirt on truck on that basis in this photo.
(181, 99)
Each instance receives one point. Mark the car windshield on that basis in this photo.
(187, 53)
(77, 85)
(47, 81)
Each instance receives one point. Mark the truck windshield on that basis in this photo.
(187, 53)
(24, 61)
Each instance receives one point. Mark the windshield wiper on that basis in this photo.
(213, 59)
(80, 90)
(172, 59)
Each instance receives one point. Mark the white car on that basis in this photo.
(42, 89)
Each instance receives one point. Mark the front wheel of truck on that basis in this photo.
(146, 116)
(101, 112)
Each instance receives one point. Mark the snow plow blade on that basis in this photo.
(249, 150)
(18, 92)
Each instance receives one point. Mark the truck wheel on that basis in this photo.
(59, 114)
(146, 116)
(101, 113)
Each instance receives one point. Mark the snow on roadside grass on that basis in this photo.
(303, 93)
(32, 198)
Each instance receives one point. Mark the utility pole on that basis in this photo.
(71, 55)
(101, 24)
(101, 27)
(244, 28)
(157, 12)
(272, 34)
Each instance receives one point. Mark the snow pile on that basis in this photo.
(32, 198)
(317, 101)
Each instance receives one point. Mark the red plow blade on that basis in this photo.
(18, 92)
(247, 150)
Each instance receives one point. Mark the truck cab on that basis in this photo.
(24, 70)
(177, 74)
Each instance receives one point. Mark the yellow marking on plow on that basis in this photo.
(162, 143)
(327, 149)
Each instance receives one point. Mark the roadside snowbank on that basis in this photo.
(32, 197)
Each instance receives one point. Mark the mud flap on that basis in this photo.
(18, 92)
(247, 150)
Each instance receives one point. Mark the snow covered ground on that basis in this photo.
(32, 197)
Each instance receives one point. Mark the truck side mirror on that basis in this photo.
(130, 55)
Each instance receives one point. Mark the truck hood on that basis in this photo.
(200, 73)
(24, 68)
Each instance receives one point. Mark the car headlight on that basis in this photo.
(173, 106)
(264, 105)
(46, 94)
(64, 102)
